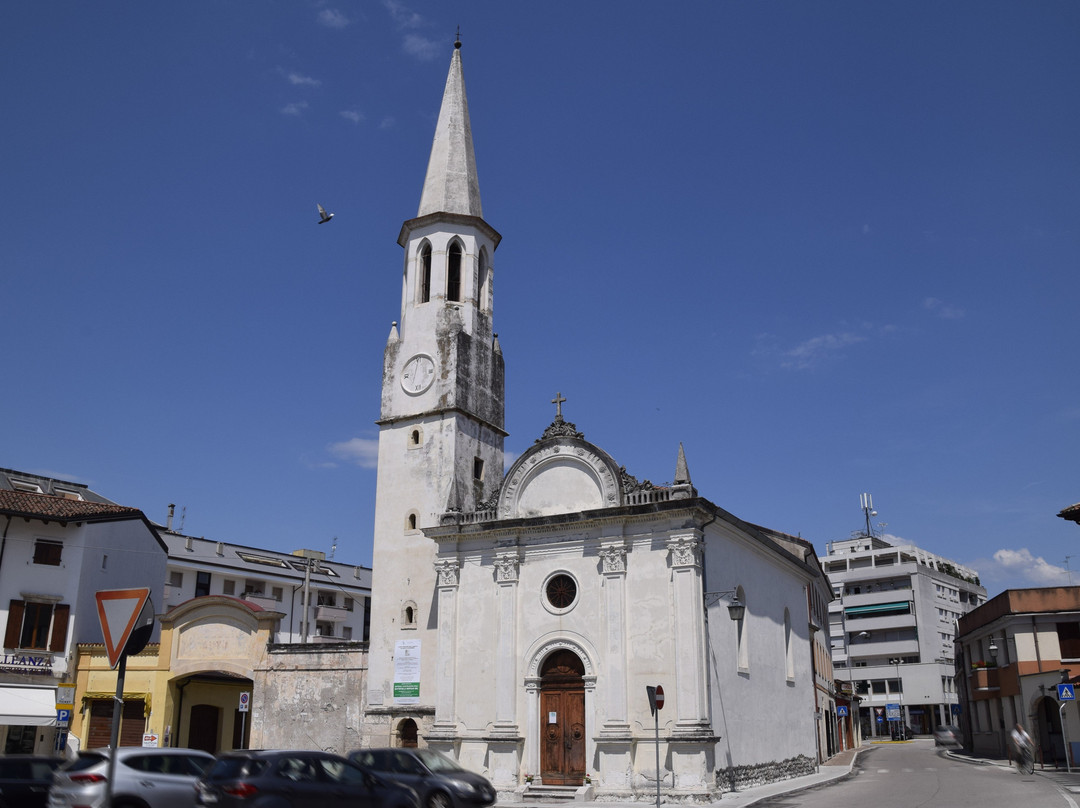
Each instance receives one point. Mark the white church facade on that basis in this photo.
(518, 618)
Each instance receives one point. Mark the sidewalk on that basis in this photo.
(1065, 780)
(834, 769)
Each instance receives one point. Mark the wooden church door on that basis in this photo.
(562, 720)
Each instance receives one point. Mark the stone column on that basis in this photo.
(690, 647)
(506, 579)
(447, 572)
(615, 722)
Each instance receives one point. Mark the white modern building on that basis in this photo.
(60, 543)
(321, 600)
(892, 626)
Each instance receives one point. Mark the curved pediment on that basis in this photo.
(560, 475)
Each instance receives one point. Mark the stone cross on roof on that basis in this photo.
(558, 402)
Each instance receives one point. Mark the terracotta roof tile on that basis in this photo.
(60, 509)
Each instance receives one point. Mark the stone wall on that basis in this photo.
(309, 697)
(738, 777)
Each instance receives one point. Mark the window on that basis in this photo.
(348, 604)
(39, 625)
(367, 619)
(453, 273)
(228, 587)
(67, 493)
(408, 616)
(346, 632)
(326, 599)
(414, 438)
(22, 485)
(477, 468)
(1069, 640)
(560, 593)
(47, 552)
(202, 584)
(253, 587)
(485, 281)
(176, 578)
(424, 292)
(324, 629)
(411, 522)
(277, 593)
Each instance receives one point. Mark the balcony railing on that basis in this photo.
(331, 614)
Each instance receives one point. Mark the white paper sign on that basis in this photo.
(407, 672)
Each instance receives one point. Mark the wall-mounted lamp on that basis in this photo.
(993, 649)
(736, 608)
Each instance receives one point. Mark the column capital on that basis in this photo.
(448, 571)
(685, 550)
(507, 566)
(613, 557)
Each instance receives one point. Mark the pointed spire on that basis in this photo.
(682, 472)
(451, 185)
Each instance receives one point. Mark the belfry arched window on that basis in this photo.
(424, 285)
(453, 272)
(484, 285)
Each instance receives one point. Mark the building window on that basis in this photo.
(424, 292)
(277, 593)
(22, 485)
(478, 468)
(485, 281)
(202, 584)
(228, 587)
(1069, 640)
(367, 619)
(415, 438)
(325, 598)
(453, 273)
(411, 522)
(560, 593)
(346, 632)
(47, 552)
(39, 625)
(408, 616)
(324, 629)
(176, 578)
(348, 604)
(252, 587)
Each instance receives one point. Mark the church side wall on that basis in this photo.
(751, 689)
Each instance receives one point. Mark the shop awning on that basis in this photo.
(28, 706)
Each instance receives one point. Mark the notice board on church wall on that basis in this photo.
(407, 672)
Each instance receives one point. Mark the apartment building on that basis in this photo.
(893, 628)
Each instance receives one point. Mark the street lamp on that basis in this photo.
(993, 650)
(900, 692)
(736, 608)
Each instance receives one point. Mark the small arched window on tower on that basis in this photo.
(416, 437)
(424, 290)
(410, 521)
(484, 285)
(453, 273)
(408, 614)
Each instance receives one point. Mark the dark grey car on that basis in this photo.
(439, 781)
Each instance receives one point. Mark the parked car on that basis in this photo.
(25, 780)
(947, 735)
(439, 781)
(253, 779)
(162, 778)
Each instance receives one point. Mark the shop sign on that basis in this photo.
(27, 663)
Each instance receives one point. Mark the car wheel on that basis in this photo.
(439, 799)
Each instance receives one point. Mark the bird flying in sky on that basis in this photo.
(324, 217)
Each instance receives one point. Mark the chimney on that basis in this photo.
(168, 522)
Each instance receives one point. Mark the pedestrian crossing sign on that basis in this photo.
(1066, 693)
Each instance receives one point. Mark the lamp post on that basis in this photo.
(900, 692)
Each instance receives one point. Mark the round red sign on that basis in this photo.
(659, 697)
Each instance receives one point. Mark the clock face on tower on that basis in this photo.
(418, 374)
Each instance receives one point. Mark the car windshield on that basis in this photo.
(437, 761)
(234, 768)
(85, 760)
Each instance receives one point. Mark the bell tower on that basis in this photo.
(441, 425)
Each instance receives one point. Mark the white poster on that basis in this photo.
(407, 672)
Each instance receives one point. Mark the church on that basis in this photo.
(519, 617)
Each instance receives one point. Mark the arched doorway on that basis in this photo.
(407, 734)
(562, 719)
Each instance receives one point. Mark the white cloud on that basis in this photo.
(332, 18)
(1032, 569)
(404, 16)
(352, 115)
(942, 309)
(295, 108)
(363, 452)
(421, 47)
(389, 122)
(307, 81)
(813, 351)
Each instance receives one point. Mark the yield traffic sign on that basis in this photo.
(118, 609)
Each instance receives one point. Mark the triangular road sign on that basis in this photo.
(1066, 692)
(118, 609)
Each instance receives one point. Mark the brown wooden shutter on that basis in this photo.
(61, 617)
(14, 623)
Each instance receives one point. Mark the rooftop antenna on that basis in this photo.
(183, 516)
(1067, 570)
(333, 548)
(866, 502)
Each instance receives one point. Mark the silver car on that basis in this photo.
(144, 778)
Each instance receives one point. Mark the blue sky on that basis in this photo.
(831, 247)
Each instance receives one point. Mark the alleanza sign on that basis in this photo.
(25, 663)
